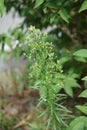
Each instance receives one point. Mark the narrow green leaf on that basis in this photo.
(38, 3)
(1, 7)
(81, 53)
(64, 15)
(83, 94)
(83, 6)
(43, 92)
(82, 108)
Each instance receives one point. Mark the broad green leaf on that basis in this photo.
(83, 6)
(82, 108)
(81, 53)
(68, 90)
(51, 5)
(38, 3)
(65, 59)
(78, 124)
(64, 15)
(80, 59)
(1, 7)
(69, 83)
(85, 78)
(83, 94)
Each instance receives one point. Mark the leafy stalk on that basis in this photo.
(45, 73)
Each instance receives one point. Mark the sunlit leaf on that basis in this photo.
(38, 3)
(85, 78)
(68, 90)
(82, 108)
(51, 5)
(83, 6)
(81, 53)
(64, 15)
(78, 124)
(69, 83)
(83, 94)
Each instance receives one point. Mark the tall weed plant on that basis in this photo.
(46, 75)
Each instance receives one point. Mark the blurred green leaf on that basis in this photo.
(83, 94)
(82, 108)
(52, 18)
(69, 83)
(51, 5)
(81, 53)
(85, 78)
(78, 124)
(8, 41)
(65, 59)
(68, 90)
(38, 3)
(64, 15)
(1, 7)
(80, 59)
(43, 92)
(83, 6)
